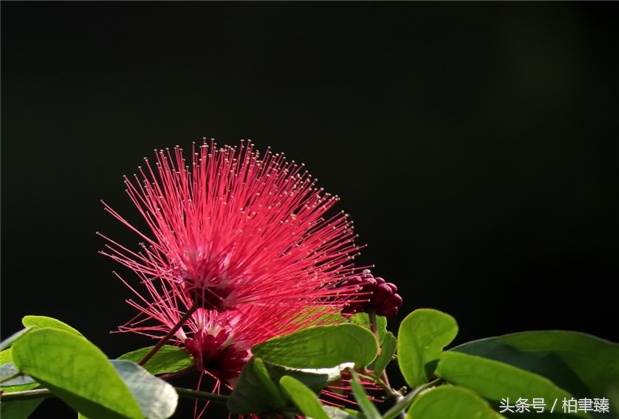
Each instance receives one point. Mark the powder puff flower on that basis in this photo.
(234, 228)
(219, 341)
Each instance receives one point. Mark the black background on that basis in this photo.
(473, 144)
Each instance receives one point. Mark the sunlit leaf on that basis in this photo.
(76, 371)
(450, 402)
(321, 347)
(584, 365)
(44, 321)
(422, 336)
(496, 381)
(168, 359)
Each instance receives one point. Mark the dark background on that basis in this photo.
(473, 144)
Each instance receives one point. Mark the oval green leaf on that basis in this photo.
(156, 398)
(77, 372)
(168, 359)
(320, 347)
(303, 398)
(449, 402)
(584, 365)
(496, 381)
(387, 351)
(250, 395)
(422, 336)
(44, 321)
(363, 319)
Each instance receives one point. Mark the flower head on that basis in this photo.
(234, 228)
(220, 341)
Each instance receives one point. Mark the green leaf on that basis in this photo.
(44, 321)
(157, 399)
(387, 351)
(251, 396)
(9, 341)
(496, 381)
(19, 409)
(337, 413)
(7, 369)
(263, 375)
(77, 372)
(584, 365)
(422, 336)
(6, 356)
(10, 376)
(168, 359)
(449, 402)
(363, 319)
(320, 347)
(367, 407)
(303, 398)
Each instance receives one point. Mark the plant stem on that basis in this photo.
(167, 337)
(200, 395)
(383, 381)
(26, 395)
(404, 402)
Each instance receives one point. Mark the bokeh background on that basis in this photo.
(475, 145)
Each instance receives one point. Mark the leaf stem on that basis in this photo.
(200, 395)
(26, 395)
(169, 335)
(404, 402)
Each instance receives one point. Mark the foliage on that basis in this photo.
(499, 377)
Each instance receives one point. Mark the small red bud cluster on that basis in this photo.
(375, 294)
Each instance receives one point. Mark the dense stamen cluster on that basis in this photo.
(217, 354)
(220, 341)
(234, 227)
(373, 294)
(243, 249)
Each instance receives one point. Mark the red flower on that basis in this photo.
(231, 228)
(220, 341)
